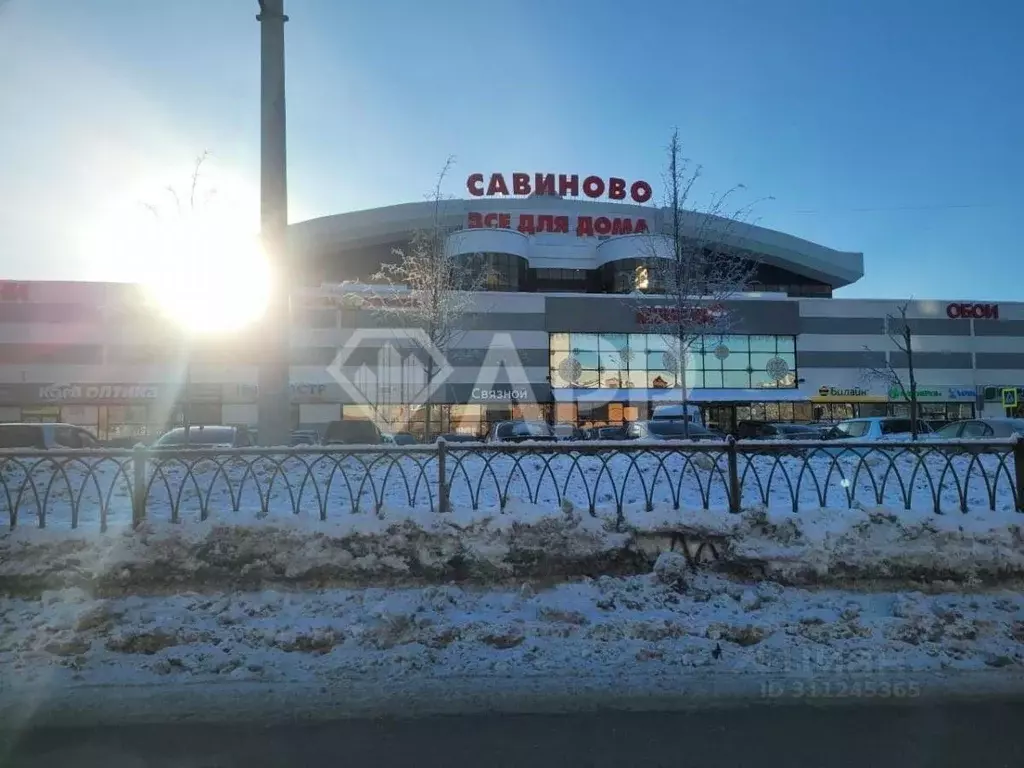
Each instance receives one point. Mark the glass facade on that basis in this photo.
(628, 275)
(496, 271)
(645, 361)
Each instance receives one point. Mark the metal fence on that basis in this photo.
(122, 486)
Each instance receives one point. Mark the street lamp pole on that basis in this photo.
(274, 369)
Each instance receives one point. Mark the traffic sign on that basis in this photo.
(1009, 396)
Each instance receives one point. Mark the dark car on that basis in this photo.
(205, 436)
(756, 430)
(404, 438)
(670, 430)
(352, 432)
(607, 433)
(520, 431)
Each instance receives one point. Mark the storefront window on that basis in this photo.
(635, 360)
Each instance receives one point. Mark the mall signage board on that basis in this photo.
(560, 185)
(830, 394)
(932, 393)
(969, 311)
(98, 393)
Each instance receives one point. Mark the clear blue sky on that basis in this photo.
(886, 126)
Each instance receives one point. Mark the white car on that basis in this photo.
(879, 428)
(46, 436)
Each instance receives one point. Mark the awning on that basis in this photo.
(676, 396)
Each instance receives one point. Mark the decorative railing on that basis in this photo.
(126, 486)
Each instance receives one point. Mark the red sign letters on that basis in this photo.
(530, 224)
(966, 311)
(562, 184)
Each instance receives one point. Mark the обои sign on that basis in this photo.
(967, 310)
(563, 185)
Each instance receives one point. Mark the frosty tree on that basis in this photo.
(901, 335)
(694, 267)
(439, 289)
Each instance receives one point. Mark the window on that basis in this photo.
(950, 431)
(21, 436)
(977, 429)
(629, 275)
(853, 428)
(68, 437)
(569, 280)
(637, 360)
(497, 271)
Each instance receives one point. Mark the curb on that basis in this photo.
(363, 697)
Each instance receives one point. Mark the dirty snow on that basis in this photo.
(662, 622)
(813, 546)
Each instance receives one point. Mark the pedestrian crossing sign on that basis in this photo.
(1009, 397)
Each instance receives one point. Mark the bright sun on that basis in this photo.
(209, 278)
(194, 251)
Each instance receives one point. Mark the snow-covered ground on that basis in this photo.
(604, 479)
(413, 546)
(662, 623)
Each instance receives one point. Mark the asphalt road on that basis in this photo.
(976, 734)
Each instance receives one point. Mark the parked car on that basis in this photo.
(879, 428)
(205, 436)
(664, 429)
(352, 432)
(458, 437)
(568, 432)
(607, 433)
(305, 437)
(675, 413)
(756, 430)
(400, 438)
(981, 429)
(520, 431)
(46, 436)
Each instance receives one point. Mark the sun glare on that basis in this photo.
(208, 279)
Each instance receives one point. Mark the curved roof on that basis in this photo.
(394, 224)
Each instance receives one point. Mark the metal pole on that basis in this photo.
(273, 376)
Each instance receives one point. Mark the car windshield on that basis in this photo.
(199, 436)
(532, 429)
(665, 428)
(853, 428)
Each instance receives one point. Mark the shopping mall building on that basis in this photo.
(558, 333)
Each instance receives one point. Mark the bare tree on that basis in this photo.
(186, 208)
(897, 328)
(439, 289)
(694, 267)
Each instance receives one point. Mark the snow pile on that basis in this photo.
(367, 549)
(656, 624)
(409, 546)
(879, 543)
